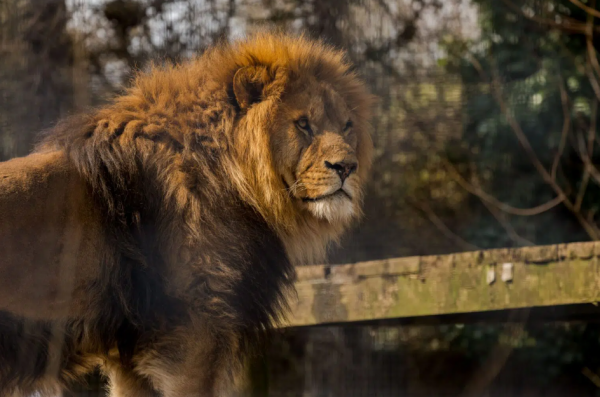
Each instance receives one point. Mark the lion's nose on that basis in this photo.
(343, 169)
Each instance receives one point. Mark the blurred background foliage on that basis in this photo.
(485, 134)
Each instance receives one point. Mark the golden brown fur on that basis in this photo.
(156, 237)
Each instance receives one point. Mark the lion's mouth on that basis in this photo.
(339, 192)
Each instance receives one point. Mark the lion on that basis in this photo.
(155, 238)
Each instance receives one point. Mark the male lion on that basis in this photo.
(155, 237)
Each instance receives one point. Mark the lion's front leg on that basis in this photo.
(123, 382)
(193, 363)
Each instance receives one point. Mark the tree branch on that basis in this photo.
(590, 229)
(564, 98)
(590, 148)
(475, 190)
(589, 10)
(592, 58)
(568, 26)
(510, 231)
(522, 138)
(437, 222)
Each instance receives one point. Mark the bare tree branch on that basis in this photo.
(569, 25)
(522, 138)
(496, 360)
(437, 222)
(589, 10)
(589, 228)
(590, 148)
(591, 53)
(496, 213)
(565, 129)
(477, 191)
(583, 154)
(510, 231)
(591, 375)
(593, 81)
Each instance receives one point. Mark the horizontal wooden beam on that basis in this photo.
(472, 282)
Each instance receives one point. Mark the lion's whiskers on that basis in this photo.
(294, 187)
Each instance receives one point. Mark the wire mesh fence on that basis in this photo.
(485, 135)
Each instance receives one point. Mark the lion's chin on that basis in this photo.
(335, 209)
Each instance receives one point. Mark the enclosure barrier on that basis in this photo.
(471, 282)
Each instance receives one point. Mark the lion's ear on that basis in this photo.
(248, 85)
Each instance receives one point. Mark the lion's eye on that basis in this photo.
(348, 126)
(304, 125)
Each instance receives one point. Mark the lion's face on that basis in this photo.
(315, 146)
(302, 142)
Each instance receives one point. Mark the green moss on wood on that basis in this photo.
(458, 283)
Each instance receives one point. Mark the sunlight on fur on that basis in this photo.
(334, 209)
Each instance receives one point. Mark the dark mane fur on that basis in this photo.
(129, 164)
